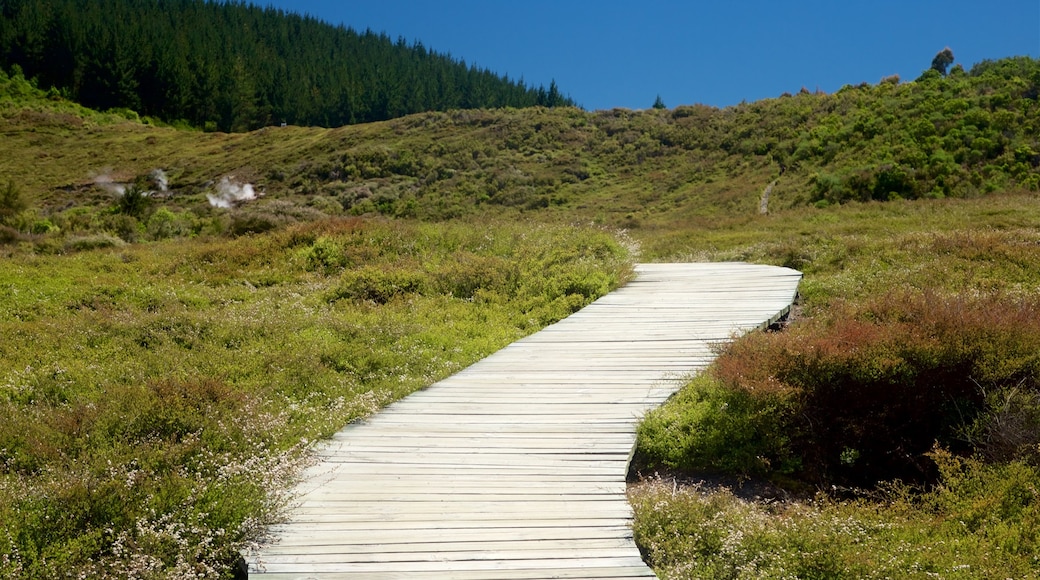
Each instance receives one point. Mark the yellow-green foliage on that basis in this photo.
(711, 429)
(155, 399)
(982, 523)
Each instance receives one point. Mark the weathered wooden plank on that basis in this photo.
(453, 499)
(609, 573)
(531, 485)
(469, 553)
(507, 439)
(487, 458)
(447, 515)
(532, 481)
(520, 447)
(379, 471)
(444, 529)
(406, 491)
(422, 407)
(450, 566)
(515, 467)
(337, 538)
(453, 423)
(341, 538)
(455, 548)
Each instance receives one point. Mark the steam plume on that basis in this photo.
(230, 193)
(161, 180)
(106, 182)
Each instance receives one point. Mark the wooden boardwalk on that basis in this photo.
(515, 467)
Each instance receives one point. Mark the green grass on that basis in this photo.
(156, 400)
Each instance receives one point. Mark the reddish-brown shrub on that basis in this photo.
(875, 386)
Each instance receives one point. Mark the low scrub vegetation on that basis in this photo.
(157, 399)
(971, 133)
(868, 391)
(891, 430)
(980, 523)
(863, 394)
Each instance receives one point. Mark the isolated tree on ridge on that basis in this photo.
(943, 60)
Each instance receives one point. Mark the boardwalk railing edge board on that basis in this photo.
(515, 467)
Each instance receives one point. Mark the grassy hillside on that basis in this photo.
(662, 173)
(159, 326)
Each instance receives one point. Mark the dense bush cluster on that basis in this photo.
(872, 389)
(865, 394)
(966, 134)
(980, 524)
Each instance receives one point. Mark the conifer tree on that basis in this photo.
(235, 66)
(943, 60)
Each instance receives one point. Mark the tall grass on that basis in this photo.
(156, 401)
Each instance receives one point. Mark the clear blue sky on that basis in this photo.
(614, 53)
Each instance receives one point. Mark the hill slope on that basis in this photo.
(964, 135)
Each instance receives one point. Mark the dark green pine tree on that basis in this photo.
(942, 60)
(234, 66)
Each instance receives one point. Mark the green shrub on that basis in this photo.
(998, 502)
(1008, 428)
(41, 227)
(710, 429)
(9, 235)
(94, 242)
(12, 202)
(468, 273)
(981, 522)
(127, 227)
(269, 216)
(324, 255)
(164, 224)
(379, 284)
(133, 201)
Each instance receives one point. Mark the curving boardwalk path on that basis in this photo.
(515, 467)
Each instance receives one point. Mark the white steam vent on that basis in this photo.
(106, 182)
(230, 192)
(161, 180)
(117, 188)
